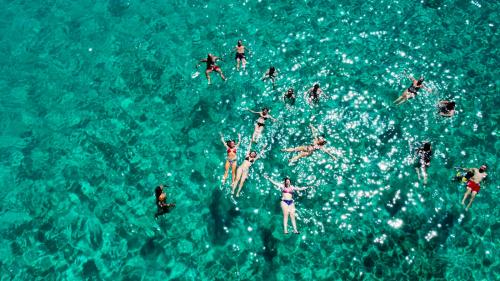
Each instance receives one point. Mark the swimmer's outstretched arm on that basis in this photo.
(223, 141)
(200, 61)
(239, 140)
(275, 183)
(427, 89)
(262, 152)
(256, 112)
(301, 188)
(314, 131)
(328, 152)
(272, 118)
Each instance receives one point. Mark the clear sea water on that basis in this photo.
(101, 101)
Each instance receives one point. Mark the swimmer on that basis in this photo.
(446, 108)
(473, 183)
(289, 97)
(411, 92)
(259, 126)
(312, 96)
(423, 160)
(242, 174)
(231, 160)
(161, 205)
(211, 66)
(240, 55)
(287, 203)
(270, 74)
(318, 144)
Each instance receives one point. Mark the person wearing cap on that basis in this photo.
(473, 184)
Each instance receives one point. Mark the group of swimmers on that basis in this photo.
(312, 96)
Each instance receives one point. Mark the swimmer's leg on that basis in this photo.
(471, 199)
(226, 171)
(237, 64)
(300, 155)
(244, 177)
(221, 75)
(235, 182)
(284, 207)
(233, 172)
(295, 149)
(466, 195)
(207, 73)
(243, 63)
(418, 172)
(291, 209)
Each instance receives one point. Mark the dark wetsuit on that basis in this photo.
(314, 95)
(424, 158)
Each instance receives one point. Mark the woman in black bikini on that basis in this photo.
(211, 66)
(242, 172)
(411, 92)
(287, 203)
(271, 74)
(232, 158)
(259, 126)
(318, 144)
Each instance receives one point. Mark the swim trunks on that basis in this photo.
(474, 186)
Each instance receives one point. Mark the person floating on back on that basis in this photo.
(411, 92)
(261, 122)
(243, 169)
(473, 183)
(446, 108)
(240, 55)
(423, 160)
(319, 143)
(211, 66)
(232, 158)
(161, 204)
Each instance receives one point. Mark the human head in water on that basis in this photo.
(420, 80)
(427, 146)
(316, 87)
(265, 110)
(287, 182)
(253, 154)
(483, 168)
(239, 43)
(450, 105)
(231, 143)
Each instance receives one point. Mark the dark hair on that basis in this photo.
(228, 142)
(316, 86)
(272, 68)
(284, 181)
(158, 192)
(481, 168)
(450, 105)
(239, 43)
(265, 109)
(420, 81)
(322, 141)
(427, 146)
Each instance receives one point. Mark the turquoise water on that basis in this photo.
(101, 101)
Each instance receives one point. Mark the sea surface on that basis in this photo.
(101, 101)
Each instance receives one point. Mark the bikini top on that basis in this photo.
(233, 150)
(288, 190)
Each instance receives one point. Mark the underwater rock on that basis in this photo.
(118, 7)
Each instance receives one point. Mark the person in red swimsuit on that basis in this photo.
(232, 158)
(473, 185)
(211, 66)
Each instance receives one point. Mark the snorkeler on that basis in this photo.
(242, 173)
(211, 66)
(259, 126)
(287, 203)
(289, 97)
(313, 94)
(271, 74)
(423, 160)
(240, 55)
(446, 108)
(161, 205)
(411, 92)
(231, 159)
(473, 185)
(318, 144)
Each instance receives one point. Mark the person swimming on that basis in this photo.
(240, 55)
(261, 122)
(289, 97)
(446, 108)
(307, 150)
(423, 160)
(270, 74)
(231, 160)
(473, 184)
(162, 206)
(287, 203)
(243, 169)
(313, 95)
(211, 66)
(411, 91)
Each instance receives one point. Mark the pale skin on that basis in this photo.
(231, 158)
(304, 151)
(407, 94)
(288, 210)
(477, 178)
(263, 115)
(210, 60)
(240, 49)
(422, 170)
(242, 172)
